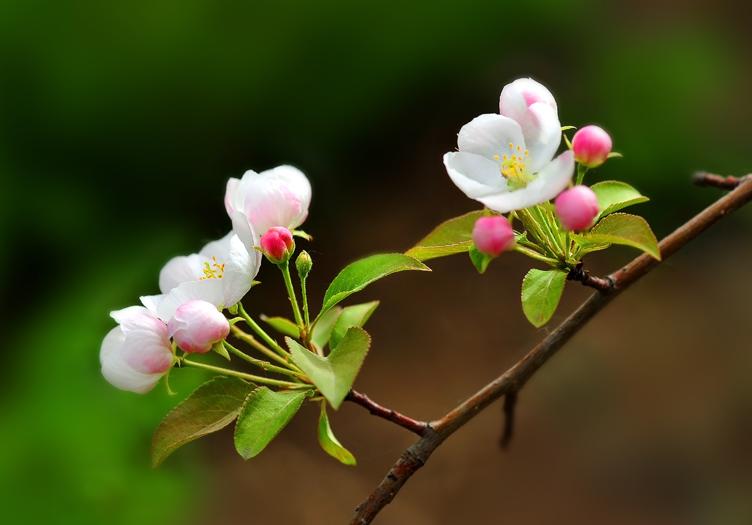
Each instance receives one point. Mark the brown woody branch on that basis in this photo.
(578, 273)
(702, 178)
(413, 425)
(515, 377)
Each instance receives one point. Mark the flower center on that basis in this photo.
(213, 269)
(513, 166)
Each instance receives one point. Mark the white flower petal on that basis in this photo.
(517, 96)
(241, 267)
(549, 182)
(179, 270)
(136, 318)
(475, 175)
(489, 135)
(542, 132)
(209, 290)
(231, 195)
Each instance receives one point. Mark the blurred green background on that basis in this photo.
(119, 125)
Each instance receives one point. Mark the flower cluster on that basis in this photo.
(196, 288)
(535, 203)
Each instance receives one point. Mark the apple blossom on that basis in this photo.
(493, 235)
(197, 325)
(221, 274)
(137, 353)
(576, 208)
(591, 146)
(506, 161)
(259, 201)
(278, 244)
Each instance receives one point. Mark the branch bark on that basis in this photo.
(515, 377)
(413, 425)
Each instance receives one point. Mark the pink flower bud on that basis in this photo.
(591, 146)
(197, 325)
(576, 208)
(493, 235)
(278, 244)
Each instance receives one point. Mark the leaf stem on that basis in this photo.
(242, 375)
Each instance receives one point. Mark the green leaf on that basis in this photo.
(282, 325)
(334, 374)
(211, 407)
(356, 276)
(541, 292)
(628, 230)
(449, 237)
(356, 315)
(479, 260)
(586, 245)
(330, 443)
(264, 415)
(322, 330)
(614, 195)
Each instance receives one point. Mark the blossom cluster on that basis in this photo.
(196, 288)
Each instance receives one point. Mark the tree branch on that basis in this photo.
(413, 425)
(515, 377)
(702, 178)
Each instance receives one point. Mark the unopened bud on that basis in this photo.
(197, 325)
(303, 264)
(278, 244)
(576, 208)
(591, 146)
(493, 235)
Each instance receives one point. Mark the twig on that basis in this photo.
(578, 273)
(413, 425)
(510, 403)
(515, 378)
(702, 178)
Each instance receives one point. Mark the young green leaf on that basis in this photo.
(356, 315)
(614, 195)
(450, 237)
(541, 292)
(282, 325)
(211, 407)
(356, 276)
(334, 374)
(264, 415)
(479, 260)
(322, 330)
(628, 230)
(329, 441)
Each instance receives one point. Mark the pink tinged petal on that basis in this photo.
(197, 326)
(277, 244)
(542, 132)
(517, 96)
(549, 182)
(209, 290)
(489, 135)
(276, 197)
(475, 175)
(138, 318)
(577, 207)
(591, 146)
(493, 235)
(117, 370)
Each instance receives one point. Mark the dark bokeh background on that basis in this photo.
(121, 121)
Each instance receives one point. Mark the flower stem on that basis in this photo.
(264, 365)
(248, 377)
(304, 297)
(262, 334)
(535, 255)
(284, 360)
(285, 269)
